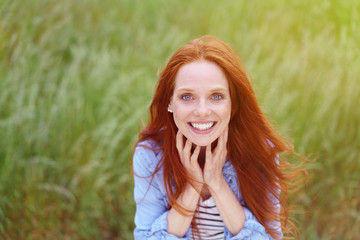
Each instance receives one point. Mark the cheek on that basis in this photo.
(176, 120)
(181, 110)
(225, 112)
(178, 117)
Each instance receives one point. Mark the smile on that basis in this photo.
(202, 126)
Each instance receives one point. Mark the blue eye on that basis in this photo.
(217, 97)
(186, 97)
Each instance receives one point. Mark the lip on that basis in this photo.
(202, 131)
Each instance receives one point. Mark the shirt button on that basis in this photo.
(230, 181)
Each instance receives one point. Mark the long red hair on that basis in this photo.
(253, 145)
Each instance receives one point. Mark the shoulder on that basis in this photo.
(228, 168)
(147, 156)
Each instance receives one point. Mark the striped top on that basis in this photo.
(209, 221)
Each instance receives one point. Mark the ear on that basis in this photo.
(170, 108)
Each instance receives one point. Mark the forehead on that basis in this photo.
(200, 75)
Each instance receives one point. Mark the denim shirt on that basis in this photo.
(152, 205)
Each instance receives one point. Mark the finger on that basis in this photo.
(219, 144)
(222, 141)
(187, 150)
(179, 142)
(195, 154)
(224, 149)
(208, 154)
(226, 135)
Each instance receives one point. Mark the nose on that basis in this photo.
(202, 108)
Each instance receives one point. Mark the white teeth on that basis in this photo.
(202, 126)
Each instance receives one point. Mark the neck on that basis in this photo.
(201, 158)
(202, 154)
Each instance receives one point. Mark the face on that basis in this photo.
(201, 102)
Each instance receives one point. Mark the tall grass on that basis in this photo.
(76, 78)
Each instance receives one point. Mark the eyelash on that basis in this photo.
(185, 96)
(216, 97)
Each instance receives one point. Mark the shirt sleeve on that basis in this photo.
(151, 208)
(252, 230)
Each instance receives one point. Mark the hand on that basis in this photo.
(214, 161)
(190, 162)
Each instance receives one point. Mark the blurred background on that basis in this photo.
(77, 77)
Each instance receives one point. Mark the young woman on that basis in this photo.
(207, 164)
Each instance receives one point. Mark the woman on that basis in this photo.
(206, 166)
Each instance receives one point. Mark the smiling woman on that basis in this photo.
(201, 102)
(207, 164)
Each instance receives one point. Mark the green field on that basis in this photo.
(77, 77)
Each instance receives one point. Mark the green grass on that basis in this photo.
(77, 77)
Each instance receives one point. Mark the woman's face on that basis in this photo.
(201, 102)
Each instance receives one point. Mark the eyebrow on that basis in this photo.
(185, 90)
(220, 89)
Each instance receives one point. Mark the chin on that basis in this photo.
(203, 143)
